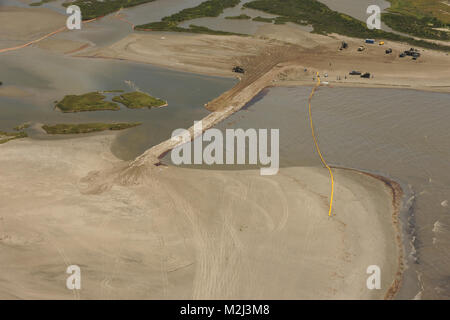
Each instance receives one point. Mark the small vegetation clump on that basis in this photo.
(37, 4)
(8, 136)
(210, 8)
(23, 126)
(92, 101)
(86, 127)
(137, 100)
(239, 17)
(263, 19)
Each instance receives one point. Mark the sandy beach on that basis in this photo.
(149, 240)
(26, 24)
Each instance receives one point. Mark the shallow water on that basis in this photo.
(400, 134)
(237, 26)
(49, 77)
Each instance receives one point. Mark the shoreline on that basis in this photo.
(397, 195)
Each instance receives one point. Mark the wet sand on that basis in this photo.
(249, 236)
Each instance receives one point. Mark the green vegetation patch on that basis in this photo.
(8, 136)
(325, 21)
(172, 27)
(92, 101)
(263, 19)
(137, 100)
(239, 17)
(86, 127)
(23, 126)
(210, 8)
(91, 9)
(425, 27)
(439, 9)
(37, 4)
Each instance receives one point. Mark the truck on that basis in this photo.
(238, 69)
(344, 45)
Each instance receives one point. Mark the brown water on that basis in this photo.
(49, 77)
(400, 134)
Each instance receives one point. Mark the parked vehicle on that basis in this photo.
(366, 75)
(388, 51)
(238, 69)
(370, 41)
(361, 48)
(355, 73)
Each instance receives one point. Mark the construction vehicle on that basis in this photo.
(238, 69)
(344, 45)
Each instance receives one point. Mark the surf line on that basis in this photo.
(42, 38)
(317, 144)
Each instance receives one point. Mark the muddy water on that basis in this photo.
(49, 77)
(400, 134)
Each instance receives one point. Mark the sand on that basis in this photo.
(26, 24)
(13, 92)
(184, 233)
